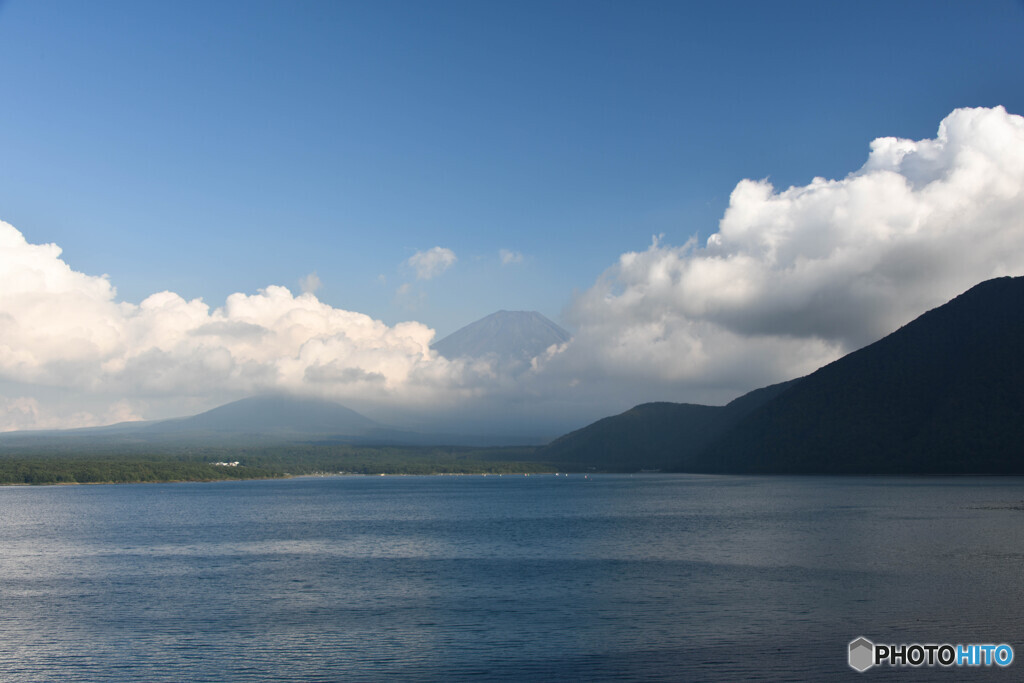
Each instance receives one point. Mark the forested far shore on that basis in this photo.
(215, 464)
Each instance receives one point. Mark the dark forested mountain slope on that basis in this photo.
(651, 435)
(943, 394)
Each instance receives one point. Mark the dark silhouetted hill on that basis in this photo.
(942, 395)
(651, 436)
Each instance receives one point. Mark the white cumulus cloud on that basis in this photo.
(65, 329)
(432, 262)
(797, 277)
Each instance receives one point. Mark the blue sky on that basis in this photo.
(213, 148)
(209, 148)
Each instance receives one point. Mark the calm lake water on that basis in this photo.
(649, 577)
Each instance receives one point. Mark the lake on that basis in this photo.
(605, 577)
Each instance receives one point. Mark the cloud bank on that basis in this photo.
(796, 278)
(65, 329)
(793, 279)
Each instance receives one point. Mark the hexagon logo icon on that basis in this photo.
(862, 654)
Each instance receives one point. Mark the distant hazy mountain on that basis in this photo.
(256, 420)
(507, 335)
(272, 415)
(260, 420)
(943, 394)
(292, 419)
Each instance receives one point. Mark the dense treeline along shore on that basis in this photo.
(199, 464)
